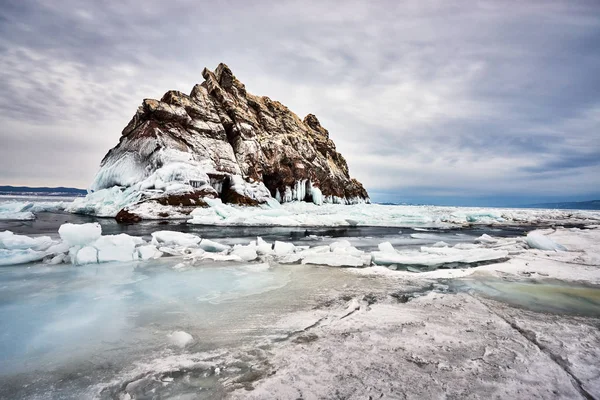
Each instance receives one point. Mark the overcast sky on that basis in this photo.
(429, 101)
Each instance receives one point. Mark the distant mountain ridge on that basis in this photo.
(572, 205)
(48, 191)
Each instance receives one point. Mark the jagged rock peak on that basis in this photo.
(227, 138)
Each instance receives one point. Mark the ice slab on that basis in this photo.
(337, 260)
(538, 240)
(148, 252)
(212, 246)
(435, 257)
(246, 253)
(86, 255)
(9, 240)
(172, 238)
(283, 248)
(20, 256)
(116, 248)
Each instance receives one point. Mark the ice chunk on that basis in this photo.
(61, 247)
(440, 244)
(246, 253)
(537, 240)
(86, 255)
(60, 258)
(340, 244)
(20, 256)
(485, 238)
(283, 248)
(350, 250)
(212, 246)
(180, 338)
(116, 248)
(172, 238)
(9, 240)
(386, 247)
(148, 252)
(336, 260)
(221, 257)
(262, 247)
(80, 234)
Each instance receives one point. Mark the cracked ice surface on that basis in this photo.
(435, 346)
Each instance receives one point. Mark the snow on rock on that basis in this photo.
(9, 240)
(537, 240)
(80, 234)
(180, 338)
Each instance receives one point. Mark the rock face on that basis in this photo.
(223, 141)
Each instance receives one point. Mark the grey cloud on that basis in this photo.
(486, 95)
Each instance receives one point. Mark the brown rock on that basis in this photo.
(125, 216)
(231, 132)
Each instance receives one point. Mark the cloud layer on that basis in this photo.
(426, 99)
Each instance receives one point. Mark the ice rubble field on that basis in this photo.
(108, 202)
(82, 244)
(19, 210)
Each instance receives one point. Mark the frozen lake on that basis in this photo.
(193, 327)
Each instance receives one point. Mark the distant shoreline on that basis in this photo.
(41, 191)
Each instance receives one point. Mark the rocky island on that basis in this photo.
(221, 142)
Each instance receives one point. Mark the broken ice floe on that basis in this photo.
(84, 244)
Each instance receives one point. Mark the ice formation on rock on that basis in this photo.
(219, 142)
